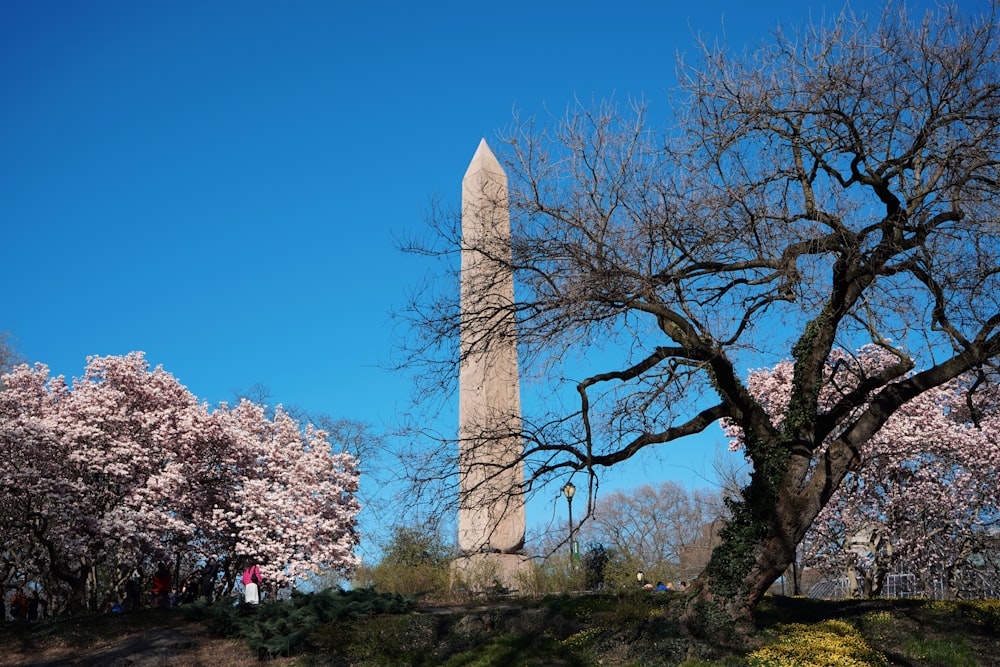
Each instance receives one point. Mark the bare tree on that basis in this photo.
(9, 356)
(651, 526)
(837, 187)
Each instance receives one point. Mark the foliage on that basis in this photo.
(124, 467)
(595, 564)
(284, 628)
(834, 188)
(415, 561)
(516, 650)
(941, 652)
(633, 629)
(984, 612)
(416, 546)
(553, 575)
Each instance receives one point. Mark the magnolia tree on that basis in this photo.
(922, 496)
(124, 467)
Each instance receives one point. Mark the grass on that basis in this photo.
(630, 630)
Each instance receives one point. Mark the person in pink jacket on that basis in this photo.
(251, 584)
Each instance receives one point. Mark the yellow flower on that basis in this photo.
(826, 644)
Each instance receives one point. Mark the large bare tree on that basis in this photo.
(836, 187)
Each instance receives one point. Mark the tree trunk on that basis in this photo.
(77, 599)
(759, 544)
(738, 575)
(76, 579)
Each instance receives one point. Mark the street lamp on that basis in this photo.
(568, 491)
(638, 577)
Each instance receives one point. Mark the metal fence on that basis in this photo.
(969, 584)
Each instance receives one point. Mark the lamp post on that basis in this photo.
(639, 577)
(568, 491)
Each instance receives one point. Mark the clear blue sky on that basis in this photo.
(218, 183)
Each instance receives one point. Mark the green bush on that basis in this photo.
(416, 562)
(285, 627)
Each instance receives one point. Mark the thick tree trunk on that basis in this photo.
(736, 579)
(759, 545)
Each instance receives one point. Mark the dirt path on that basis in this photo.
(181, 645)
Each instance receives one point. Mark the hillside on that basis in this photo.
(632, 629)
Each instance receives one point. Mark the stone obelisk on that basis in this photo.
(491, 515)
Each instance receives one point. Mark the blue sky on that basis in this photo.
(218, 184)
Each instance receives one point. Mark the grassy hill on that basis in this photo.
(635, 629)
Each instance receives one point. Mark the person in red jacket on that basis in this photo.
(162, 582)
(19, 606)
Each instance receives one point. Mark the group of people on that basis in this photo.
(201, 585)
(24, 604)
(164, 594)
(669, 586)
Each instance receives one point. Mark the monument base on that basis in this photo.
(493, 573)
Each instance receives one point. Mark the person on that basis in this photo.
(33, 604)
(133, 586)
(208, 576)
(162, 581)
(251, 584)
(684, 586)
(660, 586)
(19, 606)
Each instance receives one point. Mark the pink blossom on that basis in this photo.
(125, 466)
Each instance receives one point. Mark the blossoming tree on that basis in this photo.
(124, 467)
(922, 496)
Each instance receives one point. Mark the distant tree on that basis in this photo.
(836, 187)
(595, 562)
(649, 526)
(415, 560)
(9, 356)
(125, 467)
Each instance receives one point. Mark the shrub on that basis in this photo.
(552, 576)
(416, 561)
(284, 627)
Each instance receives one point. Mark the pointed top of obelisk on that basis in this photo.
(484, 160)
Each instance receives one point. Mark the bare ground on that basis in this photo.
(177, 644)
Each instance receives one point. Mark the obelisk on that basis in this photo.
(491, 515)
